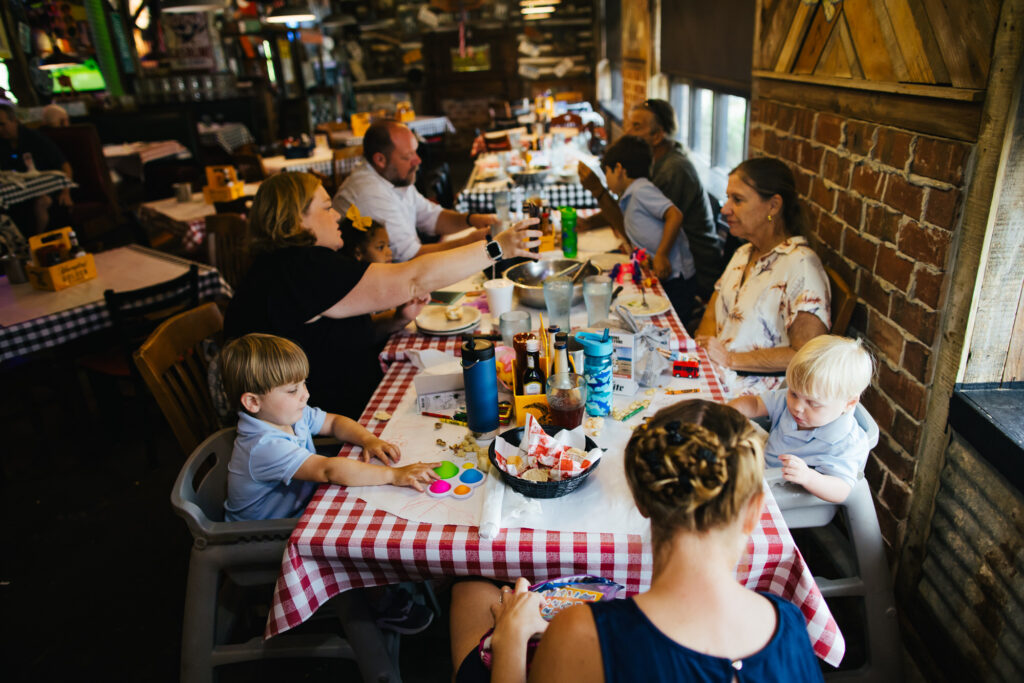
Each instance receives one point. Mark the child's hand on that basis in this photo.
(794, 469)
(387, 453)
(662, 267)
(416, 476)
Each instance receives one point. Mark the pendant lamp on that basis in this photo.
(290, 14)
(183, 6)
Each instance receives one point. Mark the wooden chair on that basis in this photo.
(228, 245)
(843, 302)
(344, 160)
(172, 364)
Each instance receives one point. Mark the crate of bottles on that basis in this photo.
(57, 263)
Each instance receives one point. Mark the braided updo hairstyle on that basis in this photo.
(693, 467)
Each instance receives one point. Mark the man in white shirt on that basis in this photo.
(382, 187)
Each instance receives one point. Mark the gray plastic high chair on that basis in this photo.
(228, 558)
(850, 530)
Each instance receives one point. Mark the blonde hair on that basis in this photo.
(831, 368)
(693, 467)
(259, 363)
(275, 218)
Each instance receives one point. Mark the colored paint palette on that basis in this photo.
(447, 469)
(468, 478)
(439, 489)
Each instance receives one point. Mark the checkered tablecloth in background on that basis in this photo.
(341, 543)
(557, 194)
(17, 187)
(227, 136)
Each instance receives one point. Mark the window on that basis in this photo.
(713, 126)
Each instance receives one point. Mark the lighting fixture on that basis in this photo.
(536, 9)
(528, 3)
(535, 17)
(183, 6)
(289, 15)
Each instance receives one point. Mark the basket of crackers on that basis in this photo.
(543, 461)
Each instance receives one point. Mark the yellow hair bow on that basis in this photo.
(359, 221)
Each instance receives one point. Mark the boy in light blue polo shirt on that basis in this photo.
(651, 220)
(820, 434)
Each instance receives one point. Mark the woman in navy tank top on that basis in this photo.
(695, 470)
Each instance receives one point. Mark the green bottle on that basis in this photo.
(568, 231)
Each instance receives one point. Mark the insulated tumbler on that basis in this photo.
(481, 378)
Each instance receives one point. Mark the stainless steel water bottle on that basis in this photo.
(481, 379)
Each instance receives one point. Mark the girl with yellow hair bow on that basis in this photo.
(365, 239)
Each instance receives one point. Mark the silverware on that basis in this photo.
(580, 271)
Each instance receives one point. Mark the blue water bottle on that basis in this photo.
(597, 369)
(481, 378)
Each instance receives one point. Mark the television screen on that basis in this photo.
(85, 77)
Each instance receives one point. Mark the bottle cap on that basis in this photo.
(532, 345)
(476, 350)
(595, 344)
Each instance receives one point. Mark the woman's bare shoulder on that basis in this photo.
(569, 650)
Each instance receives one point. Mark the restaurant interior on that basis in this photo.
(135, 138)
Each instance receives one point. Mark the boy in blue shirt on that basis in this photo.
(820, 434)
(651, 220)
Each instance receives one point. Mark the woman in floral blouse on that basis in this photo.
(773, 296)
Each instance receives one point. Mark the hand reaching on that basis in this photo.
(416, 476)
(662, 267)
(410, 309)
(589, 179)
(517, 617)
(387, 453)
(516, 240)
(717, 352)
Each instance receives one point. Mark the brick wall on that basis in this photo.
(634, 85)
(884, 204)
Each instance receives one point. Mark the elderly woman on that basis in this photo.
(773, 296)
(300, 286)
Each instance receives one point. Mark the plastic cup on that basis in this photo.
(558, 300)
(512, 323)
(567, 397)
(499, 296)
(597, 296)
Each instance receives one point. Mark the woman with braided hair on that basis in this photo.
(695, 470)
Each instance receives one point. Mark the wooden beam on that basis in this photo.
(848, 47)
(944, 117)
(774, 18)
(795, 36)
(940, 92)
(873, 52)
(814, 44)
(910, 42)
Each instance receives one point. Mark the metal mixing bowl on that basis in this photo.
(529, 279)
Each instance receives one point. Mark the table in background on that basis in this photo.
(424, 126)
(321, 161)
(478, 195)
(340, 542)
(186, 220)
(19, 187)
(130, 158)
(227, 136)
(33, 320)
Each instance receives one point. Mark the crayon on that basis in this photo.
(445, 419)
(675, 392)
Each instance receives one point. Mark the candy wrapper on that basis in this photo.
(559, 457)
(559, 594)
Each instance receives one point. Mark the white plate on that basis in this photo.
(433, 321)
(656, 305)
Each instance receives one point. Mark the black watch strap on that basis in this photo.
(494, 250)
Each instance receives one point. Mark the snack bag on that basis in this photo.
(559, 594)
(539, 445)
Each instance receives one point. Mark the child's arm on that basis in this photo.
(662, 262)
(350, 431)
(749, 406)
(348, 472)
(824, 486)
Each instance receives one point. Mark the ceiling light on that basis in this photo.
(535, 17)
(538, 10)
(289, 15)
(182, 6)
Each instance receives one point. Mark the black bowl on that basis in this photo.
(541, 489)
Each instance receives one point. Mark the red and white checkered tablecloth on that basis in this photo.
(341, 542)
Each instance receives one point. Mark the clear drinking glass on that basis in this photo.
(512, 323)
(567, 396)
(558, 299)
(597, 296)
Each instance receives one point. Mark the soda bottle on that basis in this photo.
(568, 231)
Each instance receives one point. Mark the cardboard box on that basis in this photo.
(63, 275)
(223, 194)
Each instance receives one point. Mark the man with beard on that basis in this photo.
(382, 187)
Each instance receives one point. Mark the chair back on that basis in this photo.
(843, 302)
(136, 312)
(250, 167)
(173, 365)
(80, 144)
(229, 246)
(344, 160)
(441, 186)
(240, 206)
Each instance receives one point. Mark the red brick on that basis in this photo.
(829, 130)
(942, 206)
(878, 406)
(914, 318)
(861, 251)
(906, 432)
(892, 148)
(771, 142)
(874, 473)
(830, 230)
(810, 157)
(823, 196)
(859, 320)
(756, 138)
(789, 149)
(904, 197)
(784, 118)
(893, 268)
(860, 137)
(803, 123)
(892, 530)
(769, 111)
(928, 287)
(940, 159)
(916, 360)
(846, 271)
(850, 208)
(884, 336)
(905, 391)
(882, 222)
(896, 496)
(925, 244)
(868, 181)
(836, 168)
(870, 289)
(803, 182)
(756, 106)
(897, 462)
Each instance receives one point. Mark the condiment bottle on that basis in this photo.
(552, 331)
(563, 338)
(519, 345)
(597, 369)
(533, 376)
(481, 379)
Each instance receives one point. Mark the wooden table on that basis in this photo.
(130, 158)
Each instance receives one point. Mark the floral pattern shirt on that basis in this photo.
(757, 313)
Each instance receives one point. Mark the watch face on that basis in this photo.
(494, 250)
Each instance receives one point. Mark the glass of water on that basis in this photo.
(597, 296)
(512, 323)
(558, 300)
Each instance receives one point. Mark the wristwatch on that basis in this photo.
(494, 250)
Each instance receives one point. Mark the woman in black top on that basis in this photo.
(300, 286)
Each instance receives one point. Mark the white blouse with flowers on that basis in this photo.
(757, 313)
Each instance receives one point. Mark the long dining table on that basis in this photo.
(342, 542)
